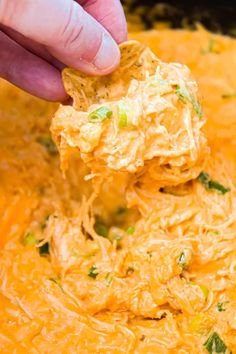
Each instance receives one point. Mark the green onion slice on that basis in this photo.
(108, 279)
(184, 95)
(44, 249)
(221, 306)
(209, 184)
(100, 114)
(185, 258)
(205, 290)
(93, 272)
(130, 230)
(182, 260)
(214, 344)
(30, 239)
(122, 115)
(101, 229)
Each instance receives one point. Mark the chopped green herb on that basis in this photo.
(44, 249)
(130, 270)
(30, 239)
(101, 229)
(108, 278)
(228, 95)
(185, 96)
(93, 272)
(120, 210)
(182, 259)
(205, 290)
(204, 178)
(58, 282)
(48, 143)
(182, 93)
(130, 230)
(218, 186)
(221, 306)
(100, 114)
(197, 108)
(215, 344)
(210, 184)
(185, 258)
(122, 115)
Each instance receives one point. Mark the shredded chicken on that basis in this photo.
(155, 122)
(134, 250)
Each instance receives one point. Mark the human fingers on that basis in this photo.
(32, 46)
(110, 14)
(29, 72)
(70, 33)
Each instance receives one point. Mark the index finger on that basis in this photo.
(110, 14)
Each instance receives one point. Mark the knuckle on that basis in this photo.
(4, 10)
(8, 10)
(80, 35)
(73, 27)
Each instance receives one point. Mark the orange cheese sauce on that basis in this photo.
(127, 292)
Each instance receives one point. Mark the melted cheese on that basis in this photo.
(140, 298)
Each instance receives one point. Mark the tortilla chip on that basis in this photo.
(136, 61)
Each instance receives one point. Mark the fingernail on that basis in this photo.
(108, 56)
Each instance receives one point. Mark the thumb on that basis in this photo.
(69, 33)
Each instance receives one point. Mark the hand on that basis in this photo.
(39, 37)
